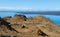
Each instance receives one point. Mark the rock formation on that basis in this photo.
(37, 26)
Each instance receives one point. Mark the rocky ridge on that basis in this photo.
(20, 25)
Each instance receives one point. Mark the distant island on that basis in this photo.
(34, 12)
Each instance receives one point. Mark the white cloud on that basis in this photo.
(6, 8)
(12, 8)
(30, 9)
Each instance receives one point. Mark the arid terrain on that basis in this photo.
(21, 26)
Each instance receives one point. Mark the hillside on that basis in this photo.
(21, 26)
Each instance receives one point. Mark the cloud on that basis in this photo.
(6, 8)
(12, 8)
(30, 9)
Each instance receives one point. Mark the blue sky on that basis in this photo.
(41, 5)
(31, 5)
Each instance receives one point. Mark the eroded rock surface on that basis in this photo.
(37, 26)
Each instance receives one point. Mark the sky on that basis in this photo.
(31, 5)
(35, 5)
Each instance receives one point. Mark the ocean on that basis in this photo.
(54, 18)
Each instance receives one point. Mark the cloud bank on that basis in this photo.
(30, 9)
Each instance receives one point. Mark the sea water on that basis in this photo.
(54, 18)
